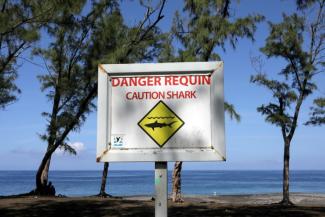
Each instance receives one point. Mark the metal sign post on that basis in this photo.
(161, 189)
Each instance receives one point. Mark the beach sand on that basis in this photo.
(198, 206)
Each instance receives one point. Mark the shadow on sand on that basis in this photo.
(100, 207)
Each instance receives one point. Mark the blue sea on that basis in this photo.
(127, 183)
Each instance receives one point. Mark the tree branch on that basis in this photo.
(283, 127)
(83, 106)
(295, 70)
(314, 28)
(11, 55)
(297, 109)
(142, 37)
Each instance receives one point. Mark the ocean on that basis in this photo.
(131, 183)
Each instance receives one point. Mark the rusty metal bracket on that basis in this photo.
(104, 152)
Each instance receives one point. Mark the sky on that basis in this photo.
(251, 144)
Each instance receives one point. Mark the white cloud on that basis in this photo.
(78, 146)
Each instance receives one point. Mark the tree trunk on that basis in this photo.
(45, 172)
(177, 196)
(102, 192)
(286, 160)
(42, 187)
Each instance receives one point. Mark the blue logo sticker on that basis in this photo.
(118, 141)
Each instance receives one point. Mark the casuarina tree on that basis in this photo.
(299, 41)
(202, 28)
(79, 42)
(134, 44)
(68, 86)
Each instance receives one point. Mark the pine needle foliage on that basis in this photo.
(317, 113)
(20, 25)
(209, 25)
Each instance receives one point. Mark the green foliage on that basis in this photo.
(286, 41)
(208, 25)
(167, 52)
(79, 42)
(231, 111)
(67, 83)
(67, 148)
(15, 36)
(299, 40)
(8, 88)
(303, 4)
(114, 42)
(317, 113)
(276, 112)
(20, 24)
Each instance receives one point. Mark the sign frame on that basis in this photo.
(217, 151)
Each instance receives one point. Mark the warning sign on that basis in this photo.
(160, 123)
(153, 112)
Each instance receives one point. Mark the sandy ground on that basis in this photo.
(198, 206)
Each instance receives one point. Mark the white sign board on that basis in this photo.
(161, 112)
